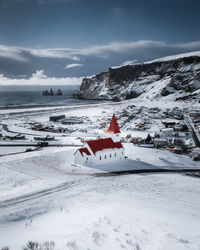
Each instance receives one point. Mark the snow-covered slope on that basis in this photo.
(173, 78)
(174, 57)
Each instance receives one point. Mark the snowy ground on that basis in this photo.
(124, 212)
(44, 197)
(12, 150)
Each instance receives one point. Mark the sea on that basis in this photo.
(16, 97)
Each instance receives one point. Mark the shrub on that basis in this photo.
(34, 245)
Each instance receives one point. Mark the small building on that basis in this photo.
(195, 154)
(136, 140)
(167, 132)
(180, 127)
(100, 151)
(71, 120)
(178, 150)
(56, 118)
(44, 138)
(194, 113)
(169, 124)
(13, 136)
(160, 142)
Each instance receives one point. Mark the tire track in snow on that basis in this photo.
(42, 193)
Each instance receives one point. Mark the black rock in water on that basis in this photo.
(51, 92)
(48, 93)
(59, 92)
(45, 93)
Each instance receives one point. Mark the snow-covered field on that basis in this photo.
(12, 150)
(44, 197)
(123, 212)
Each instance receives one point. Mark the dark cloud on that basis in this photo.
(53, 1)
(7, 3)
(17, 61)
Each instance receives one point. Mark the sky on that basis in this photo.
(57, 39)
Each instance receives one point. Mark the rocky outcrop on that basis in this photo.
(157, 79)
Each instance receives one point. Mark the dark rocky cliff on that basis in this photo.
(179, 78)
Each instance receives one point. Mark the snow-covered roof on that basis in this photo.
(167, 130)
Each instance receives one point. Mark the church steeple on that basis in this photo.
(113, 128)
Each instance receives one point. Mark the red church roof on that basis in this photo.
(113, 128)
(84, 150)
(101, 144)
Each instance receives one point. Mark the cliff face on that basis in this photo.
(178, 78)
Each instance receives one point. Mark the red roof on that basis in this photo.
(101, 144)
(113, 128)
(84, 150)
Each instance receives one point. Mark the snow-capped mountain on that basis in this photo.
(171, 78)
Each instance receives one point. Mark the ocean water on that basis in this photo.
(31, 96)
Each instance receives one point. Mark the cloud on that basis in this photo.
(73, 65)
(7, 3)
(102, 50)
(98, 50)
(16, 61)
(19, 53)
(39, 78)
(13, 53)
(190, 45)
(119, 47)
(38, 75)
(56, 53)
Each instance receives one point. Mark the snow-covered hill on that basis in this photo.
(171, 78)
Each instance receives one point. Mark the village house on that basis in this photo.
(14, 136)
(167, 132)
(195, 154)
(44, 138)
(56, 118)
(194, 113)
(71, 120)
(169, 124)
(176, 113)
(160, 142)
(179, 127)
(101, 151)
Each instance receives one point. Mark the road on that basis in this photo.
(36, 145)
(5, 127)
(194, 135)
(148, 171)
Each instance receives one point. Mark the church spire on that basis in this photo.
(113, 128)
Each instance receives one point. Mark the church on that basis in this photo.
(101, 151)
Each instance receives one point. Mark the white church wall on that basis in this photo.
(79, 159)
(101, 157)
(105, 156)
